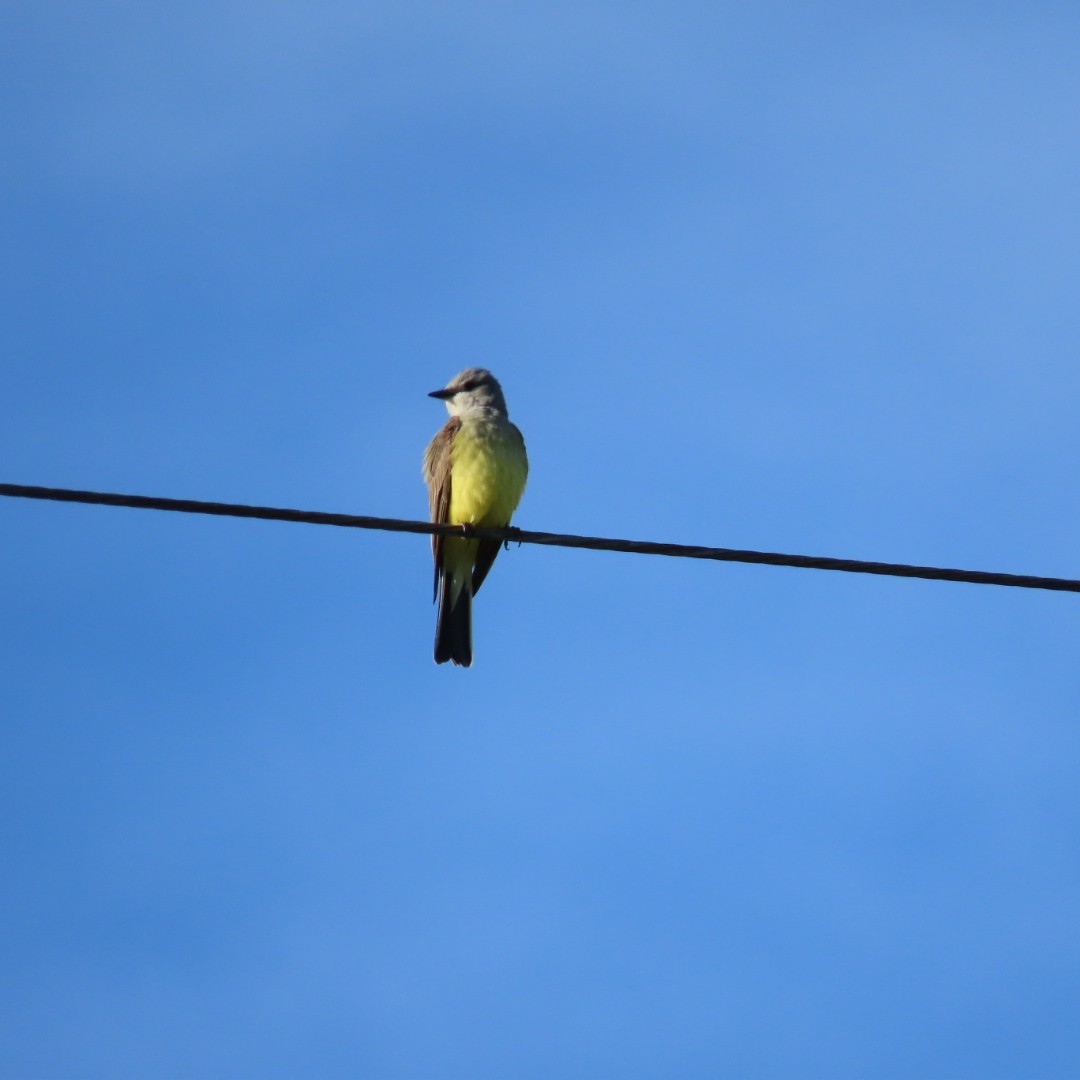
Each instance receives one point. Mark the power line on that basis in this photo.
(512, 534)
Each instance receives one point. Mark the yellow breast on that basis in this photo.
(489, 469)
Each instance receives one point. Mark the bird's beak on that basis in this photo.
(442, 395)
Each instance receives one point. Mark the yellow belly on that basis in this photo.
(489, 469)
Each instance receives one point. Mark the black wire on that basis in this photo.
(510, 533)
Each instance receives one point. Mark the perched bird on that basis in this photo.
(475, 469)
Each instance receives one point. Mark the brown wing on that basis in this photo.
(437, 474)
(485, 556)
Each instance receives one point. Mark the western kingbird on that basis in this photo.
(475, 470)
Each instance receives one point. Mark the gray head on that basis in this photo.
(472, 391)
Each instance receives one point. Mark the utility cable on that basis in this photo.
(511, 534)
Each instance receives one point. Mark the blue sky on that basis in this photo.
(799, 277)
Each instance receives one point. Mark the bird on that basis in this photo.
(475, 468)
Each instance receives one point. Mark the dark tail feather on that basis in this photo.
(453, 631)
